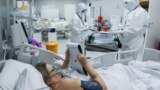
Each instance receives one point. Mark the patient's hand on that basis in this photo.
(82, 59)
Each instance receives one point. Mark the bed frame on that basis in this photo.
(109, 59)
(103, 60)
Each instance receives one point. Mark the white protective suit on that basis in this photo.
(78, 25)
(134, 20)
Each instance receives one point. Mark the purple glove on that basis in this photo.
(34, 42)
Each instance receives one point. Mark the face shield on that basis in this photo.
(131, 4)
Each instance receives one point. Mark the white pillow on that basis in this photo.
(10, 74)
(22, 77)
(30, 79)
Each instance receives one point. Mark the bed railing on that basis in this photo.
(108, 59)
(151, 54)
(32, 55)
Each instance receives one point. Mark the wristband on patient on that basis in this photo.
(74, 49)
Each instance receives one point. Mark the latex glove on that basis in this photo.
(34, 42)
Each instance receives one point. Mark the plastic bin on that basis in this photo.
(52, 46)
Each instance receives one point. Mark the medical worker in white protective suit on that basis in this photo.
(78, 25)
(134, 26)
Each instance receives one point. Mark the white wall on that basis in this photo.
(109, 7)
(57, 3)
(154, 32)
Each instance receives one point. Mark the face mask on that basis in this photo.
(57, 67)
(127, 6)
(131, 4)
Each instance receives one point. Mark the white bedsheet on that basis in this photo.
(135, 76)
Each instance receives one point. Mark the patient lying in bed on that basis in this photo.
(58, 82)
(136, 76)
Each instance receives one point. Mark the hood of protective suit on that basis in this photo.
(131, 4)
(81, 7)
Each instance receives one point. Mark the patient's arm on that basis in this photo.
(66, 61)
(90, 70)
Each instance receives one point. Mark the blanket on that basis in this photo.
(136, 75)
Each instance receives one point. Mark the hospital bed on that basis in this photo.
(103, 60)
(20, 74)
(61, 26)
(49, 57)
(111, 57)
(97, 60)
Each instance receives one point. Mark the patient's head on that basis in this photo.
(48, 73)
